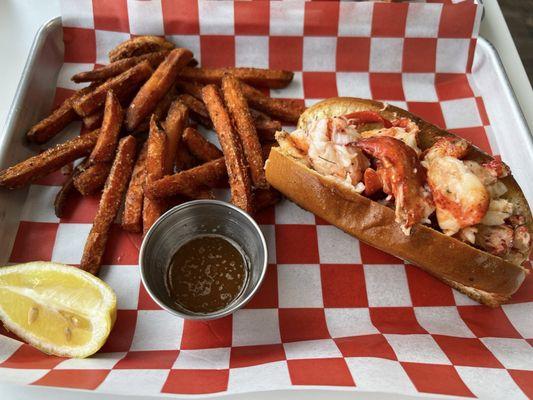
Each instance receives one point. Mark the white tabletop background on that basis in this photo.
(19, 22)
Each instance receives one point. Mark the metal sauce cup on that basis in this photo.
(187, 221)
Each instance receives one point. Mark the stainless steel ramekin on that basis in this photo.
(192, 219)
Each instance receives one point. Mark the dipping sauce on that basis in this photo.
(206, 274)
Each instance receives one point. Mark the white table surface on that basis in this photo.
(19, 22)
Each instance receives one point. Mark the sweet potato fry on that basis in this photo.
(176, 121)
(104, 150)
(66, 189)
(266, 127)
(62, 196)
(285, 110)
(120, 84)
(254, 76)
(118, 67)
(199, 146)
(185, 160)
(47, 128)
(203, 194)
(244, 125)
(156, 153)
(50, 126)
(197, 109)
(92, 178)
(133, 203)
(192, 88)
(95, 119)
(264, 198)
(138, 46)
(156, 87)
(48, 161)
(92, 121)
(160, 112)
(108, 207)
(239, 178)
(188, 183)
(152, 210)
(155, 169)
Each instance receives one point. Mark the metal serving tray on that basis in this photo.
(34, 98)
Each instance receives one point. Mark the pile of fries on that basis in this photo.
(140, 143)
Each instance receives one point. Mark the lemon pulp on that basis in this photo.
(59, 309)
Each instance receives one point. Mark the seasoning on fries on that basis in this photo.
(156, 87)
(188, 183)
(155, 157)
(118, 67)
(160, 112)
(266, 127)
(47, 128)
(164, 104)
(92, 178)
(239, 179)
(95, 119)
(108, 207)
(254, 76)
(133, 203)
(285, 110)
(155, 169)
(197, 109)
(104, 150)
(199, 146)
(48, 161)
(92, 121)
(192, 88)
(175, 123)
(138, 46)
(120, 85)
(50, 126)
(244, 125)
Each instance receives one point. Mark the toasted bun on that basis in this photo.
(484, 277)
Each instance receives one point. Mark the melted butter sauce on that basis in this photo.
(206, 274)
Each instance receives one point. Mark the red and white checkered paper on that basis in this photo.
(332, 312)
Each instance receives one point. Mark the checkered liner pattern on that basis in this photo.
(332, 311)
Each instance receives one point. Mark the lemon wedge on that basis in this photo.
(57, 308)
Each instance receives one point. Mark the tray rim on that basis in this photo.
(503, 73)
(22, 87)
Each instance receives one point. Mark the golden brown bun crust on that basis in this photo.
(480, 275)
